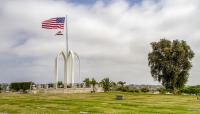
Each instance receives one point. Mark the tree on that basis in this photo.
(106, 84)
(170, 63)
(121, 83)
(87, 82)
(93, 82)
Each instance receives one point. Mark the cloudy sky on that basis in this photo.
(111, 37)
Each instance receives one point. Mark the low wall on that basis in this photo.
(67, 90)
(77, 90)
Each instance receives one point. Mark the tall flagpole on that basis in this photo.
(66, 34)
(67, 51)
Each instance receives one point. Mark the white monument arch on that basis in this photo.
(69, 69)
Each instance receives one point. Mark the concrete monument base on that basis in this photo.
(65, 90)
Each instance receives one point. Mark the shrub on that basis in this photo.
(162, 90)
(131, 90)
(137, 91)
(20, 86)
(125, 89)
(87, 82)
(0, 88)
(60, 84)
(145, 89)
(50, 85)
(191, 90)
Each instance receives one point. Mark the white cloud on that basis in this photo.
(112, 39)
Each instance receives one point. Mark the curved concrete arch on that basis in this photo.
(79, 66)
(68, 67)
(63, 54)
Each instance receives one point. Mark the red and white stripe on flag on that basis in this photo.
(54, 23)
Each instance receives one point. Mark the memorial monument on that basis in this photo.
(69, 56)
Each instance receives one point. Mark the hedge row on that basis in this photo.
(16, 86)
(191, 90)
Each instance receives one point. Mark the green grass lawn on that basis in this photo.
(98, 103)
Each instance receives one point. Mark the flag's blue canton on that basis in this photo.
(54, 23)
(60, 20)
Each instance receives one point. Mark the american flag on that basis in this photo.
(54, 23)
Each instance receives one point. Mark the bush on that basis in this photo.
(145, 89)
(20, 86)
(0, 88)
(191, 90)
(131, 90)
(60, 84)
(162, 90)
(50, 85)
(125, 89)
(137, 91)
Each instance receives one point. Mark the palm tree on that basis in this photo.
(87, 82)
(93, 82)
(106, 84)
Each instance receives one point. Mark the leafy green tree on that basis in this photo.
(93, 82)
(170, 63)
(106, 84)
(121, 83)
(87, 82)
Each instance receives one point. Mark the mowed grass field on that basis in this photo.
(98, 103)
